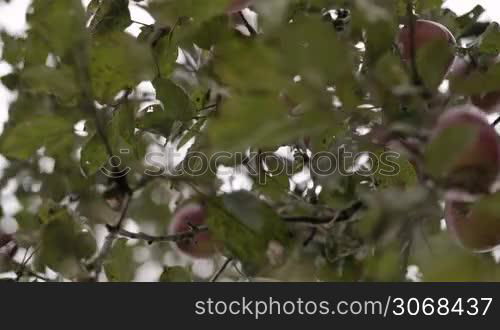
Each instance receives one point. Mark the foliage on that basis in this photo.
(310, 77)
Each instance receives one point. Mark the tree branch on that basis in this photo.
(166, 238)
(341, 216)
(25, 270)
(113, 232)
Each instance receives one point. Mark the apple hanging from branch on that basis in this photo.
(413, 40)
(473, 163)
(186, 218)
(476, 226)
(425, 32)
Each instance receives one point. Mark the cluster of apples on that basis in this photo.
(476, 166)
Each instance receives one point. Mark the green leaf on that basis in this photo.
(427, 4)
(110, 15)
(394, 170)
(235, 64)
(93, 155)
(211, 32)
(169, 11)
(123, 124)
(13, 48)
(433, 61)
(246, 226)
(50, 211)
(440, 157)
(65, 244)
(120, 265)
(380, 38)
(164, 44)
(440, 260)
(156, 120)
(175, 274)
(478, 82)
(308, 38)
(59, 82)
(176, 102)
(267, 123)
(21, 141)
(59, 24)
(11, 81)
(118, 62)
(490, 40)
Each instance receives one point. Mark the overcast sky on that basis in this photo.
(12, 19)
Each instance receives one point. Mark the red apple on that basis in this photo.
(476, 226)
(476, 164)
(426, 32)
(460, 68)
(201, 245)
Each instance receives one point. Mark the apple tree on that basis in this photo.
(265, 140)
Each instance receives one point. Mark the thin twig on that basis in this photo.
(24, 263)
(308, 219)
(311, 236)
(496, 122)
(166, 238)
(140, 23)
(222, 269)
(123, 214)
(341, 216)
(247, 25)
(24, 270)
(113, 233)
